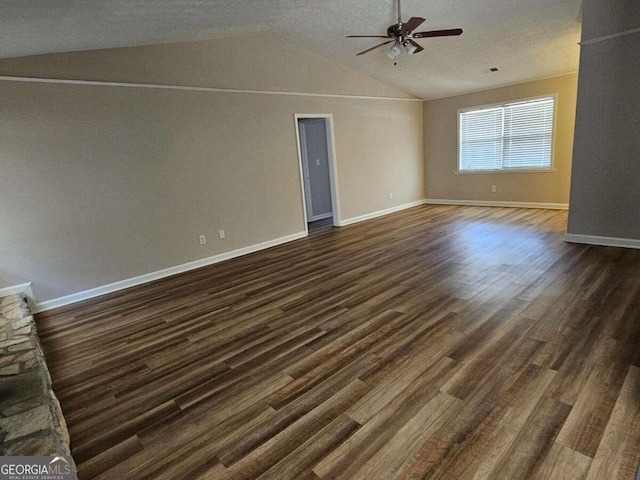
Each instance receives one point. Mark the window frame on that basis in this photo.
(550, 169)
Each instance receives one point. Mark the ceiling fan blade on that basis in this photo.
(417, 45)
(412, 24)
(367, 36)
(438, 33)
(373, 48)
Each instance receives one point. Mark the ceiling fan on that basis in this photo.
(403, 35)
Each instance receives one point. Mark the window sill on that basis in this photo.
(514, 170)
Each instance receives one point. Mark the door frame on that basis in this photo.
(333, 168)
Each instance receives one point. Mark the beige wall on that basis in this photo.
(605, 187)
(441, 150)
(100, 183)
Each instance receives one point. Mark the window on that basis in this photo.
(509, 137)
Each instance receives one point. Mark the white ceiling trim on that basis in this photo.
(5, 78)
(609, 37)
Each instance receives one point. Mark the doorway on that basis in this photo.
(317, 170)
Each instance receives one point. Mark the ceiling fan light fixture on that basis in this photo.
(411, 48)
(395, 50)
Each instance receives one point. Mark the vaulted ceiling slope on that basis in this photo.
(234, 63)
(524, 39)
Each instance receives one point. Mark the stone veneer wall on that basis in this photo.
(31, 421)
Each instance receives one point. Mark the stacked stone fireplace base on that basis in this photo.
(31, 421)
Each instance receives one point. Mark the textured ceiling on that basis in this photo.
(525, 39)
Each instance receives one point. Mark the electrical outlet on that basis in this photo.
(203, 239)
(493, 189)
(317, 162)
(221, 233)
(390, 195)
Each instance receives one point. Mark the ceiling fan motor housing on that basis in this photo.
(394, 30)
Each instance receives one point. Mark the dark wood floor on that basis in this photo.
(440, 342)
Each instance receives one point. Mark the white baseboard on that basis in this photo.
(25, 288)
(14, 289)
(604, 241)
(381, 213)
(488, 203)
(149, 277)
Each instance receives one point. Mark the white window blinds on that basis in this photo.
(517, 135)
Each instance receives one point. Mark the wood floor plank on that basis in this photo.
(439, 342)
(103, 441)
(427, 367)
(303, 458)
(239, 446)
(172, 444)
(534, 441)
(562, 463)
(104, 460)
(591, 413)
(512, 351)
(498, 432)
(271, 452)
(378, 429)
(392, 458)
(618, 455)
